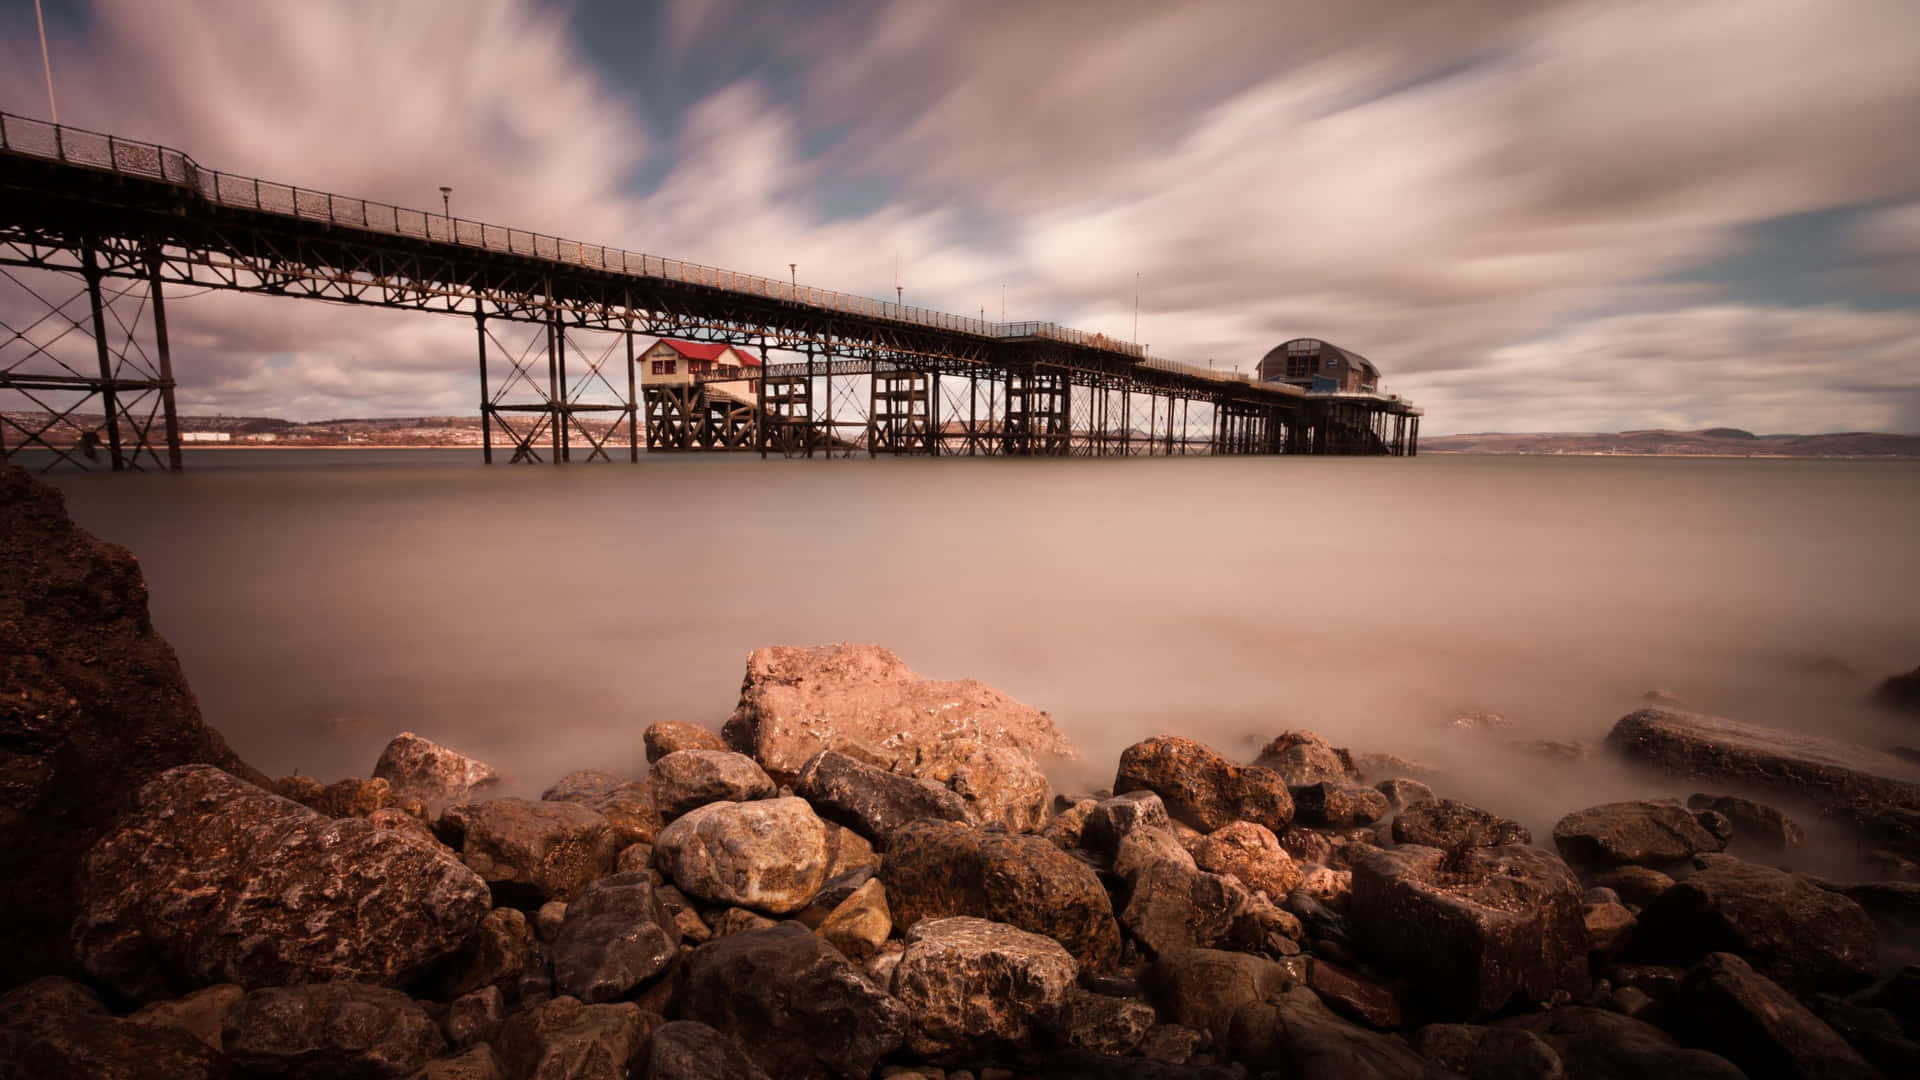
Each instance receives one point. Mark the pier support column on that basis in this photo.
(109, 400)
(486, 388)
(170, 418)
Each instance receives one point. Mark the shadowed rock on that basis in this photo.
(1753, 822)
(614, 937)
(1489, 1053)
(975, 986)
(628, 805)
(564, 1038)
(1448, 823)
(690, 1050)
(1203, 988)
(343, 1030)
(1594, 1044)
(870, 800)
(1648, 833)
(531, 852)
(1294, 1034)
(1727, 1007)
(1201, 787)
(99, 1047)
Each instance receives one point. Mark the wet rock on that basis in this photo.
(973, 986)
(628, 805)
(1114, 818)
(861, 923)
(1293, 1034)
(1900, 692)
(1647, 833)
(862, 699)
(999, 785)
(440, 777)
(792, 1002)
(1595, 1044)
(1251, 854)
(1489, 1053)
(1102, 1024)
(409, 828)
(99, 1047)
(474, 1063)
(1474, 928)
(690, 1050)
(1174, 905)
(531, 852)
(1637, 885)
(1264, 928)
(1067, 830)
(1340, 806)
(615, 937)
(1753, 822)
(1327, 885)
(872, 801)
(1402, 792)
(1201, 787)
(1447, 823)
(686, 779)
(1609, 927)
(213, 880)
(937, 869)
(1355, 996)
(474, 1018)
(670, 736)
(494, 956)
(1303, 757)
(201, 1014)
(342, 798)
(1203, 988)
(92, 706)
(1305, 845)
(770, 855)
(330, 1030)
(1727, 1007)
(1794, 932)
(564, 1039)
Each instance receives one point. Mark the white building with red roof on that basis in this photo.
(672, 362)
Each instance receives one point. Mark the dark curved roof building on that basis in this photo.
(1319, 367)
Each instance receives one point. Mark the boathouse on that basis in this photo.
(1319, 367)
(672, 362)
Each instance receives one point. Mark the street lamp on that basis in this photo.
(446, 203)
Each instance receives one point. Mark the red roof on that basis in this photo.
(709, 350)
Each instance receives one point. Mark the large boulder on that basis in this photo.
(1472, 928)
(872, 801)
(324, 1031)
(99, 1047)
(532, 851)
(1250, 853)
(976, 986)
(685, 779)
(1303, 757)
(417, 768)
(1174, 905)
(936, 869)
(564, 1039)
(1201, 787)
(1293, 1034)
(998, 785)
(628, 805)
(613, 938)
(1727, 1007)
(796, 702)
(1801, 936)
(1646, 833)
(1203, 988)
(92, 705)
(1448, 823)
(211, 879)
(797, 1007)
(770, 855)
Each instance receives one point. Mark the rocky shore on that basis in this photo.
(867, 873)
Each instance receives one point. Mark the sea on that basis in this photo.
(540, 617)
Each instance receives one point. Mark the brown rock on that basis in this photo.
(1609, 926)
(1595, 1044)
(628, 805)
(335, 1029)
(861, 923)
(1753, 822)
(667, 736)
(1489, 1053)
(98, 1047)
(1727, 1007)
(531, 852)
(1102, 1024)
(1649, 833)
(1355, 996)
(1174, 906)
(1447, 823)
(1636, 885)
(1303, 757)
(567, 1040)
(686, 779)
(972, 985)
(1252, 854)
(201, 1014)
(1201, 787)
(1305, 845)
(870, 800)
(1294, 1034)
(495, 955)
(614, 937)
(1203, 988)
(1068, 828)
(439, 777)
(1402, 792)
(690, 1050)
(474, 1063)
(1336, 805)
(770, 855)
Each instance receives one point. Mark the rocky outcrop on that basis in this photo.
(211, 879)
(564, 1039)
(1303, 757)
(938, 869)
(863, 700)
(668, 736)
(628, 805)
(613, 938)
(686, 779)
(769, 855)
(792, 1002)
(417, 768)
(1448, 823)
(872, 801)
(1727, 1007)
(1201, 787)
(1650, 833)
(337, 1029)
(1472, 929)
(92, 705)
(532, 851)
(975, 986)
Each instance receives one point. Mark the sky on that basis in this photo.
(1596, 215)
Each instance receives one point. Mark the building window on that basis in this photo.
(659, 367)
(1299, 367)
(672, 366)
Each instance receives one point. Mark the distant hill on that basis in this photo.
(1712, 442)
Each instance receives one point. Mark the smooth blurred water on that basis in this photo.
(540, 618)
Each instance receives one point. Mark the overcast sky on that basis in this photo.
(1582, 216)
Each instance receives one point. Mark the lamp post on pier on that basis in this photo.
(446, 200)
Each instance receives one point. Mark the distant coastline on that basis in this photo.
(1709, 442)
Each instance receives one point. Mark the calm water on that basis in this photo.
(540, 618)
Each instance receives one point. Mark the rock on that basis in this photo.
(848, 852)
(628, 805)
(92, 705)
(1475, 928)
(690, 1050)
(1402, 792)
(1609, 927)
(211, 879)
(1067, 830)
(474, 1018)
(1305, 845)
(474, 1063)
(796, 702)
(1102, 1024)
(409, 828)
(328, 1030)
(1478, 723)
(1374, 767)
(1171, 1044)
(547, 920)
(494, 956)
(564, 1039)
(685, 779)
(1752, 821)
(1637, 885)
(998, 785)
(938, 869)
(1252, 854)
(1340, 806)
(735, 920)
(1173, 906)
(670, 736)
(1727, 1007)
(28, 1010)
(418, 768)
(1293, 1034)
(615, 937)
(1791, 930)
(1594, 1044)
(861, 923)
(1900, 692)
(870, 800)
(1303, 757)
(1650, 833)
(973, 986)
(770, 855)
(531, 852)
(1355, 996)
(1329, 886)
(201, 1014)
(1554, 749)
(1447, 823)
(792, 1002)
(1261, 927)
(342, 798)
(87, 1046)
(1113, 818)
(1202, 788)
(1875, 1033)
(1203, 988)
(1489, 1053)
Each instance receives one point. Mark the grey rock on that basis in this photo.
(330, 1030)
(770, 855)
(685, 779)
(615, 937)
(973, 986)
